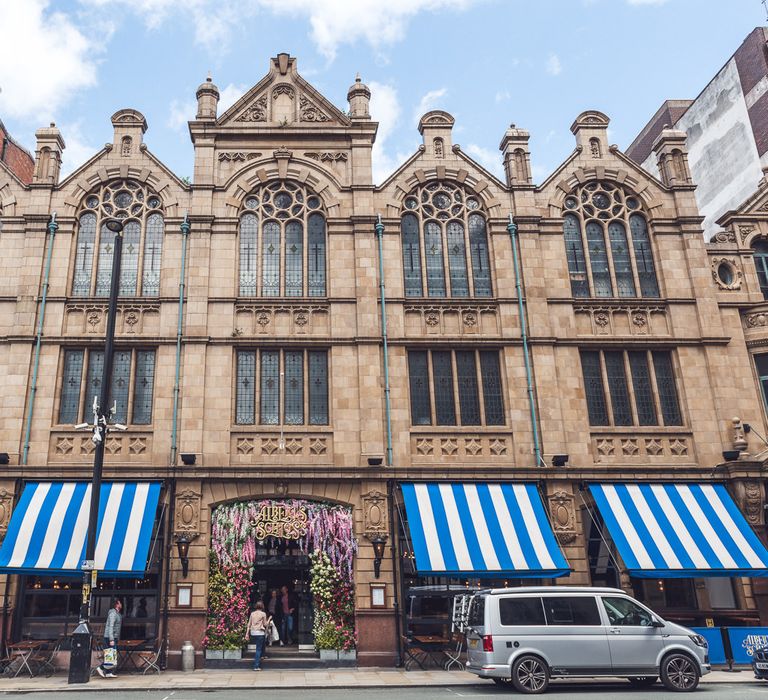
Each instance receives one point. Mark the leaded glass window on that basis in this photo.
(245, 399)
(760, 248)
(291, 384)
(492, 390)
(591, 211)
(469, 395)
(617, 384)
(270, 387)
(290, 266)
(593, 388)
(652, 391)
(72, 376)
(318, 387)
(418, 380)
(471, 392)
(249, 232)
(574, 252)
(131, 387)
(143, 387)
(294, 388)
(665, 383)
(441, 223)
(409, 228)
(641, 381)
(140, 209)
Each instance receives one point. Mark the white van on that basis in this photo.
(525, 636)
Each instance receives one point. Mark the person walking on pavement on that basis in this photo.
(256, 633)
(111, 637)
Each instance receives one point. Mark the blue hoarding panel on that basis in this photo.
(744, 640)
(715, 640)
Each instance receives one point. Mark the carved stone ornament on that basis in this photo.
(726, 273)
(563, 516)
(187, 512)
(724, 237)
(257, 112)
(283, 89)
(375, 514)
(234, 156)
(6, 505)
(744, 231)
(753, 502)
(328, 156)
(311, 112)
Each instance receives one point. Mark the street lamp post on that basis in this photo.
(80, 658)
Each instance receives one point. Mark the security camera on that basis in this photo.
(82, 426)
(120, 426)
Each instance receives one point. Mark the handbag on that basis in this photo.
(110, 656)
(273, 633)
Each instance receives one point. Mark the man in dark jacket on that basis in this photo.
(288, 607)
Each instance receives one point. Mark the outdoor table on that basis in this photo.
(23, 651)
(126, 650)
(432, 648)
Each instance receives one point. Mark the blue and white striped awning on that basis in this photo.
(679, 530)
(484, 530)
(49, 524)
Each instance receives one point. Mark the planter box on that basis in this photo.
(214, 653)
(232, 654)
(329, 655)
(350, 655)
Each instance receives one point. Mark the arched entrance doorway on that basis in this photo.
(304, 550)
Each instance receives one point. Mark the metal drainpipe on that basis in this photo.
(185, 229)
(52, 228)
(396, 576)
(380, 234)
(512, 229)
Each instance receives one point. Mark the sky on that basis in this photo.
(489, 63)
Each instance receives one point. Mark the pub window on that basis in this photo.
(625, 388)
(132, 390)
(760, 248)
(282, 246)
(444, 240)
(607, 245)
(282, 387)
(140, 209)
(455, 387)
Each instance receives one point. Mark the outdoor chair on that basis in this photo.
(44, 660)
(149, 660)
(453, 655)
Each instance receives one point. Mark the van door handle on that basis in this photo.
(615, 630)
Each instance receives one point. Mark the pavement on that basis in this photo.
(208, 680)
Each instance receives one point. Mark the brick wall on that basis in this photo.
(17, 159)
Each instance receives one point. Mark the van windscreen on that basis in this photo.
(521, 611)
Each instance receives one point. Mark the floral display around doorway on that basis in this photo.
(323, 531)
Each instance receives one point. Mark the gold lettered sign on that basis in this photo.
(280, 520)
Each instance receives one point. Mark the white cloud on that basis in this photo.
(45, 58)
(78, 149)
(332, 22)
(385, 109)
(488, 158)
(428, 102)
(229, 95)
(554, 67)
(503, 96)
(180, 112)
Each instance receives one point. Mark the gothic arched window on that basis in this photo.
(282, 243)
(442, 223)
(140, 209)
(607, 245)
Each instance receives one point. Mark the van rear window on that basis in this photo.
(571, 610)
(476, 617)
(521, 611)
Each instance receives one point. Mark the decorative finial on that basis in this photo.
(209, 79)
(358, 79)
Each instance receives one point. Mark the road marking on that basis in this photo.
(173, 692)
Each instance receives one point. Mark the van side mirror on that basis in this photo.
(655, 622)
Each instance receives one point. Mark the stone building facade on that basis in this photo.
(281, 389)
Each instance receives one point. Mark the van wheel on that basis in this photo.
(679, 672)
(643, 681)
(530, 675)
(504, 682)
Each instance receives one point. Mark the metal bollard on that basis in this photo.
(187, 657)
